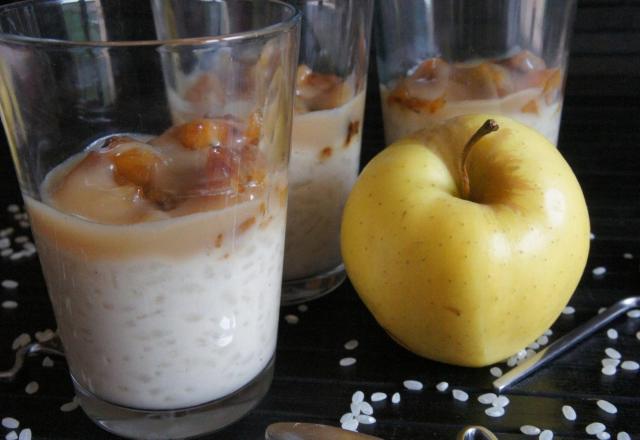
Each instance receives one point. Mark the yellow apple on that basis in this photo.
(466, 276)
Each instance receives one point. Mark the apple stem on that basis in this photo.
(489, 126)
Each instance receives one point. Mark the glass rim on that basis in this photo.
(289, 22)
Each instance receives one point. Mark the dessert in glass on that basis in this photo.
(325, 143)
(442, 59)
(161, 239)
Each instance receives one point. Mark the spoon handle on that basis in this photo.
(564, 343)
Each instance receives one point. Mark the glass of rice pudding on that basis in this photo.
(160, 233)
(444, 58)
(325, 143)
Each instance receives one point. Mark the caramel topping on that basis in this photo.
(203, 133)
(325, 153)
(352, 130)
(134, 166)
(530, 107)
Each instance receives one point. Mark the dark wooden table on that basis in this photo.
(600, 138)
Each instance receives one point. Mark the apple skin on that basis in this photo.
(466, 282)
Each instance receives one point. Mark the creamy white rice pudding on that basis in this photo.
(521, 87)
(163, 261)
(325, 156)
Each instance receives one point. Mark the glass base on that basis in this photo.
(179, 423)
(306, 289)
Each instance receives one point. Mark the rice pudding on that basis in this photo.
(163, 261)
(325, 156)
(521, 87)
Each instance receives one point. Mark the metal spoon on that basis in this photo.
(51, 347)
(567, 341)
(312, 431)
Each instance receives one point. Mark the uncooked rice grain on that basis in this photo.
(607, 406)
(612, 353)
(546, 435)
(460, 395)
(303, 308)
(595, 428)
(13, 208)
(599, 271)
(395, 398)
(347, 361)
(627, 256)
(543, 340)
(622, 435)
(487, 398)
(366, 408)
(291, 319)
(601, 309)
(11, 436)
(45, 335)
(6, 252)
(442, 386)
(20, 239)
(635, 313)
(494, 411)
(355, 408)
(351, 344)
(9, 284)
(5, 243)
(47, 362)
(350, 425)
(9, 304)
(630, 365)
(529, 430)
(568, 310)
(365, 419)
(569, 413)
(501, 401)
(378, 397)
(346, 417)
(612, 333)
(603, 435)
(25, 434)
(413, 385)
(32, 387)
(20, 341)
(608, 361)
(10, 423)
(609, 370)
(357, 397)
(70, 406)
(495, 372)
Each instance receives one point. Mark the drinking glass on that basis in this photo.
(154, 171)
(325, 144)
(439, 59)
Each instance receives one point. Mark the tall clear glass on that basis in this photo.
(154, 171)
(442, 58)
(326, 139)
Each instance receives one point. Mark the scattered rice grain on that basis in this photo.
(24, 224)
(45, 335)
(630, 365)
(599, 271)
(592, 236)
(442, 386)
(627, 256)
(303, 308)
(350, 425)
(487, 398)
(32, 387)
(291, 319)
(529, 430)
(47, 362)
(612, 333)
(501, 401)
(10, 423)
(604, 436)
(635, 313)
(547, 434)
(21, 239)
(569, 413)
(460, 395)
(366, 420)
(543, 340)
(607, 406)
(6, 232)
(9, 304)
(347, 361)
(11, 436)
(395, 398)
(595, 428)
(13, 208)
(6, 252)
(378, 397)
(601, 309)
(25, 434)
(9, 284)
(622, 435)
(568, 310)
(17, 256)
(355, 408)
(346, 417)
(5, 243)
(494, 411)
(548, 332)
(413, 385)
(612, 353)
(609, 370)
(495, 372)
(357, 397)
(351, 344)
(366, 408)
